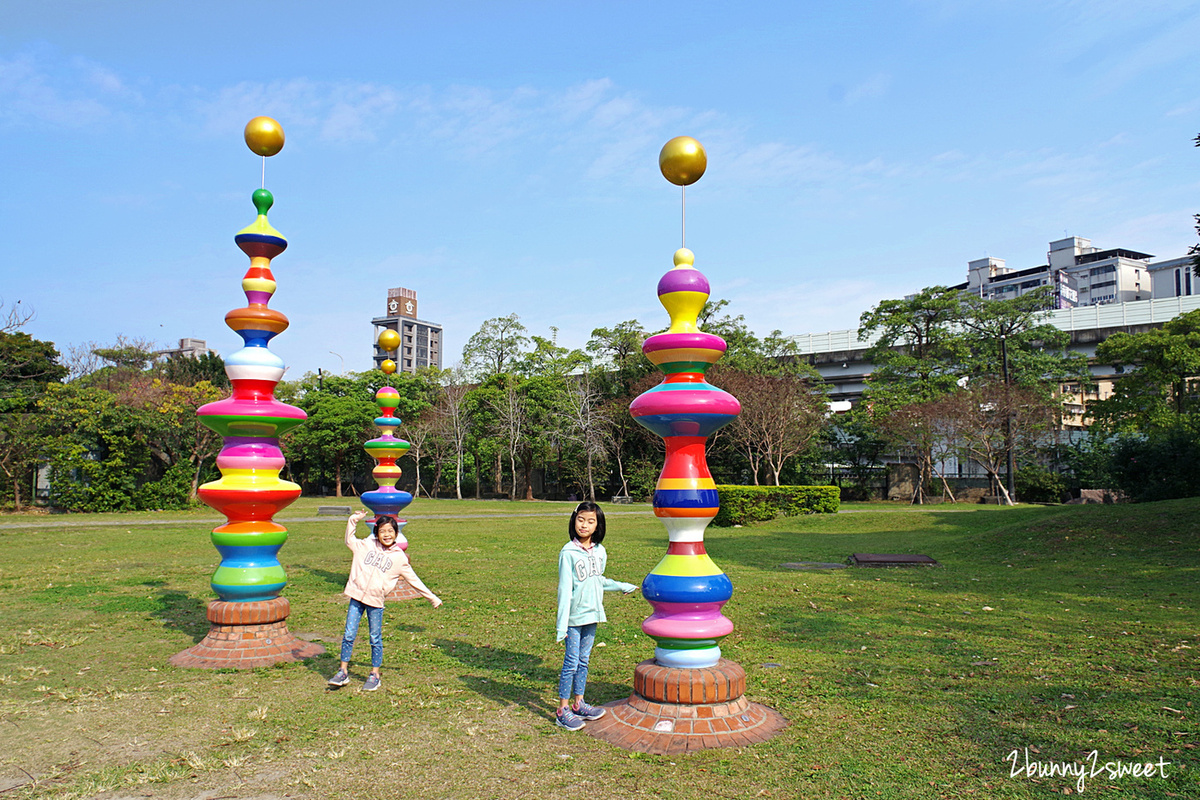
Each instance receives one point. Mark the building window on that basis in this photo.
(1177, 292)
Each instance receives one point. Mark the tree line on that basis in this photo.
(521, 417)
(956, 379)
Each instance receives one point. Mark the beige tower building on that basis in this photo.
(420, 341)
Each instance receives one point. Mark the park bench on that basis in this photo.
(333, 511)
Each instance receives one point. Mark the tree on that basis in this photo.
(186, 439)
(933, 343)
(919, 351)
(15, 318)
(1015, 330)
(973, 421)
(1162, 386)
(919, 429)
(341, 412)
(855, 443)
(98, 444)
(550, 360)
(340, 419)
(112, 365)
(617, 352)
(586, 425)
(418, 432)
(780, 416)
(190, 370)
(495, 347)
(27, 366)
(454, 422)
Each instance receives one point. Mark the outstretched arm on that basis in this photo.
(565, 584)
(406, 572)
(617, 586)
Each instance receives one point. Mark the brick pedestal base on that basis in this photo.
(247, 635)
(402, 592)
(675, 711)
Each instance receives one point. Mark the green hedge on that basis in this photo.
(741, 505)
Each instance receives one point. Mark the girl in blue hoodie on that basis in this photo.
(581, 588)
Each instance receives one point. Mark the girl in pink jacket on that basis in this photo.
(378, 565)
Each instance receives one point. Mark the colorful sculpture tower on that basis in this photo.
(249, 620)
(687, 697)
(386, 450)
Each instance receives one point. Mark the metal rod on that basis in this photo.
(683, 237)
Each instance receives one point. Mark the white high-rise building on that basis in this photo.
(1081, 275)
(420, 341)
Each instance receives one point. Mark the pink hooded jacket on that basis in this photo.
(376, 570)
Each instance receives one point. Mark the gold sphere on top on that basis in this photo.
(264, 136)
(389, 340)
(682, 160)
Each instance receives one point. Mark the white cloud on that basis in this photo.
(873, 87)
(31, 94)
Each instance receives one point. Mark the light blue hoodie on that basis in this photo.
(581, 586)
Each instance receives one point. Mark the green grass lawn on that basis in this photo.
(1064, 630)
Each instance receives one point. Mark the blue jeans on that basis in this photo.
(573, 679)
(374, 623)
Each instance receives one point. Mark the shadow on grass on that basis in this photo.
(337, 579)
(518, 679)
(182, 612)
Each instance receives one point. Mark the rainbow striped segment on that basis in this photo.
(250, 491)
(387, 499)
(686, 589)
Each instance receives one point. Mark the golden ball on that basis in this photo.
(264, 136)
(682, 161)
(388, 366)
(389, 340)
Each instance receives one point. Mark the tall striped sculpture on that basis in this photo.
(249, 618)
(687, 697)
(386, 450)
(686, 589)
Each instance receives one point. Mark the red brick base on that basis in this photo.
(245, 636)
(674, 711)
(402, 592)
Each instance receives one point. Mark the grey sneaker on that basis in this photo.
(340, 678)
(589, 712)
(566, 718)
(372, 683)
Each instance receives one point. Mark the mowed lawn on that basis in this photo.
(1050, 631)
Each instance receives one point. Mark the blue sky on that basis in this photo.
(501, 157)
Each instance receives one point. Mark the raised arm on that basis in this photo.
(352, 525)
